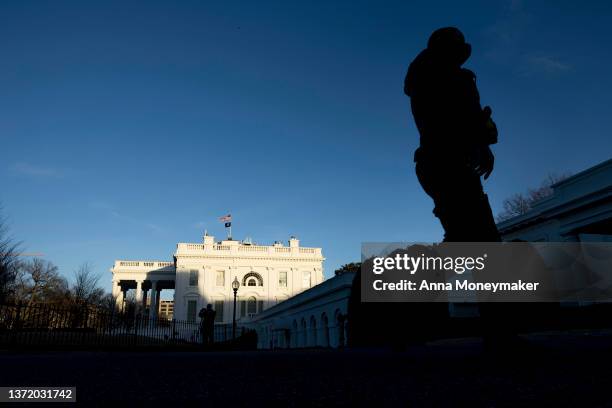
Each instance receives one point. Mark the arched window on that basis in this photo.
(252, 279)
(313, 331)
(304, 336)
(294, 335)
(340, 327)
(251, 305)
(325, 328)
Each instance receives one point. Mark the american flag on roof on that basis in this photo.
(226, 218)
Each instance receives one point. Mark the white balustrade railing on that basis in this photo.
(252, 248)
(241, 248)
(144, 264)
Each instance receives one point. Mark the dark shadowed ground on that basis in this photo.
(562, 370)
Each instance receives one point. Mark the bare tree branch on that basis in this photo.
(519, 204)
(85, 288)
(8, 260)
(39, 281)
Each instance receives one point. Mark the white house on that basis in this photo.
(203, 273)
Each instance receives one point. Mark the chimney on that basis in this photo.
(294, 242)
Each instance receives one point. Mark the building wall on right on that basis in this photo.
(579, 209)
(313, 318)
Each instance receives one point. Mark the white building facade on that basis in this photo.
(578, 210)
(203, 273)
(317, 317)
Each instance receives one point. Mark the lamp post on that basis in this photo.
(235, 286)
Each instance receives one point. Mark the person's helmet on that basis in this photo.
(448, 44)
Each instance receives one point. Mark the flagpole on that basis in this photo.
(227, 219)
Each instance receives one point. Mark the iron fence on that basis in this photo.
(86, 325)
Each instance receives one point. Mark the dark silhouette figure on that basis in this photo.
(455, 134)
(207, 325)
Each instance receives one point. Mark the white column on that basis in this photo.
(138, 294)
(157, 301)
(123, 298)
(117, 293)
(144, 299)
(153, 307)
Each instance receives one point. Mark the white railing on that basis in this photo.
(129, 263)
(144, 264)
(252, 248)
(235, 248)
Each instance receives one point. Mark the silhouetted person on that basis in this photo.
(201, 315)
(207, 324)
(455, 134)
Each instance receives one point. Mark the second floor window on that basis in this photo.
(193, 277)
(220, 278)
(306, 280)
(282, 279)
(252, 279)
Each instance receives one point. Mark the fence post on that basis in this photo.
(16, 323)
(84, 324)
(111, 323)
(136, 322)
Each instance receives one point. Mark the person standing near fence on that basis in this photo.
(207, 325)
(202, 328)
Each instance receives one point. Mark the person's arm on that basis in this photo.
(481, 127)
(489, 134)
(473, 116)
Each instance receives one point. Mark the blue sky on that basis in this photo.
(130, 126)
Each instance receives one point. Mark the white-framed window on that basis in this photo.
(220, 279)
(282, 279)
(193, 277)
(219, 311)
(252, 279)
(306, 281)
(192, 306)
(252, 305)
